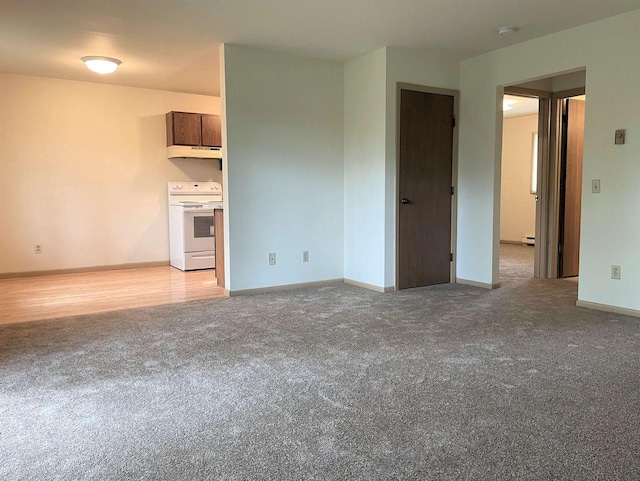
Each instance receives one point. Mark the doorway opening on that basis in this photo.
(518, 192)
(556, 172)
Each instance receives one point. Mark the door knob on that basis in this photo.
(404, 201)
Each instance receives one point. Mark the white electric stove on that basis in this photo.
(191, 227)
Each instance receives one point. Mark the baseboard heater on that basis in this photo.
(528, 241)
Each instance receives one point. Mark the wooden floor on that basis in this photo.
(48, 297)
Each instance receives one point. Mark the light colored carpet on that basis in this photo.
(516, 263)
(448, 382)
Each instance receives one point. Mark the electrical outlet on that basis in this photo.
(37, 248)
(615, 272)
(272, 258)
(595, 186)
(305, 256)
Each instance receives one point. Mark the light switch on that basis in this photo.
(595, 186)
(620, 136)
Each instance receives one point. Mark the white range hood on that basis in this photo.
(193, 152)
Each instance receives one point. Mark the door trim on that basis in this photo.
(525, 92)
(541, 249)
(400, 86)
(548, 206)
(544, 187)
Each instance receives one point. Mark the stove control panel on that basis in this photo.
(195, 188)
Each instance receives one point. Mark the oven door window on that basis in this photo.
(202, 226)
(198, 231)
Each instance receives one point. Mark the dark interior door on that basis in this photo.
(425, 168)
(571, 187)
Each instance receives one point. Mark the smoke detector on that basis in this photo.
(506, 30)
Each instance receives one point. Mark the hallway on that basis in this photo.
(516, 263)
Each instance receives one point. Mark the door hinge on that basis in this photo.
(559, 248)
(451, 257)
(453, 190)
(454, 120)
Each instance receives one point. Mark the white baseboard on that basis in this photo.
(330, 282)
(302, 285)
(608, 308)
(371, 287)
(484, 285)
(114, 267)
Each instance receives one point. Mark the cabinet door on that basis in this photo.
(211, 131)
(218, 223)
(186, 129)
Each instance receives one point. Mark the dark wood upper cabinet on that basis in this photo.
(186, 128)
(183, 129)
(211, 130)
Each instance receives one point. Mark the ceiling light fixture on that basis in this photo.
(506, 30)
(507, 104)
(101, 65)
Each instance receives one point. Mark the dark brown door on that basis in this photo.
(426, 150)
(211, 131)
(571, 187)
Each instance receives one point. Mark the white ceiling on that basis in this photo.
(520, 106)
(173, 44)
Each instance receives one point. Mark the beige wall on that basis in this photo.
(370, 115)
(517, 204)
(83, 172)
(364, 167)
(284, 167)
(609, 228)
(420, 67)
